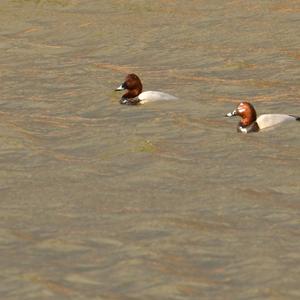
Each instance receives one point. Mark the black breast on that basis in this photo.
(253, 127)
(130, 101)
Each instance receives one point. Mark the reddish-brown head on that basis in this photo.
(133, 84)
(246, 111)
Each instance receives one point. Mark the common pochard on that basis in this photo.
(250, 123)
(135, 94)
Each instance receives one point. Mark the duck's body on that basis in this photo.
(150, 96)
(250, 123)
(270, 120)
(135, 94)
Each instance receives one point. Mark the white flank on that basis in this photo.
(151, 96)
(269, 120)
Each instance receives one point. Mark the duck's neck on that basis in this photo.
(248, 120)
(132, 93)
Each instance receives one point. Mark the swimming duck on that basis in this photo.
(135, 94)
(250, 123)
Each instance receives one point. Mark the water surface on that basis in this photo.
(161, 201)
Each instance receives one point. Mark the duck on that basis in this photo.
(135, 94)
(251, 123)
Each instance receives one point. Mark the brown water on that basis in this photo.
(161, 201)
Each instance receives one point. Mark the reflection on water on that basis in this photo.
(161, 201)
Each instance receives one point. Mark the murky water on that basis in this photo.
(161, 201)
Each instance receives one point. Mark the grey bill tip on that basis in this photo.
(231, 114)
(120, 88)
